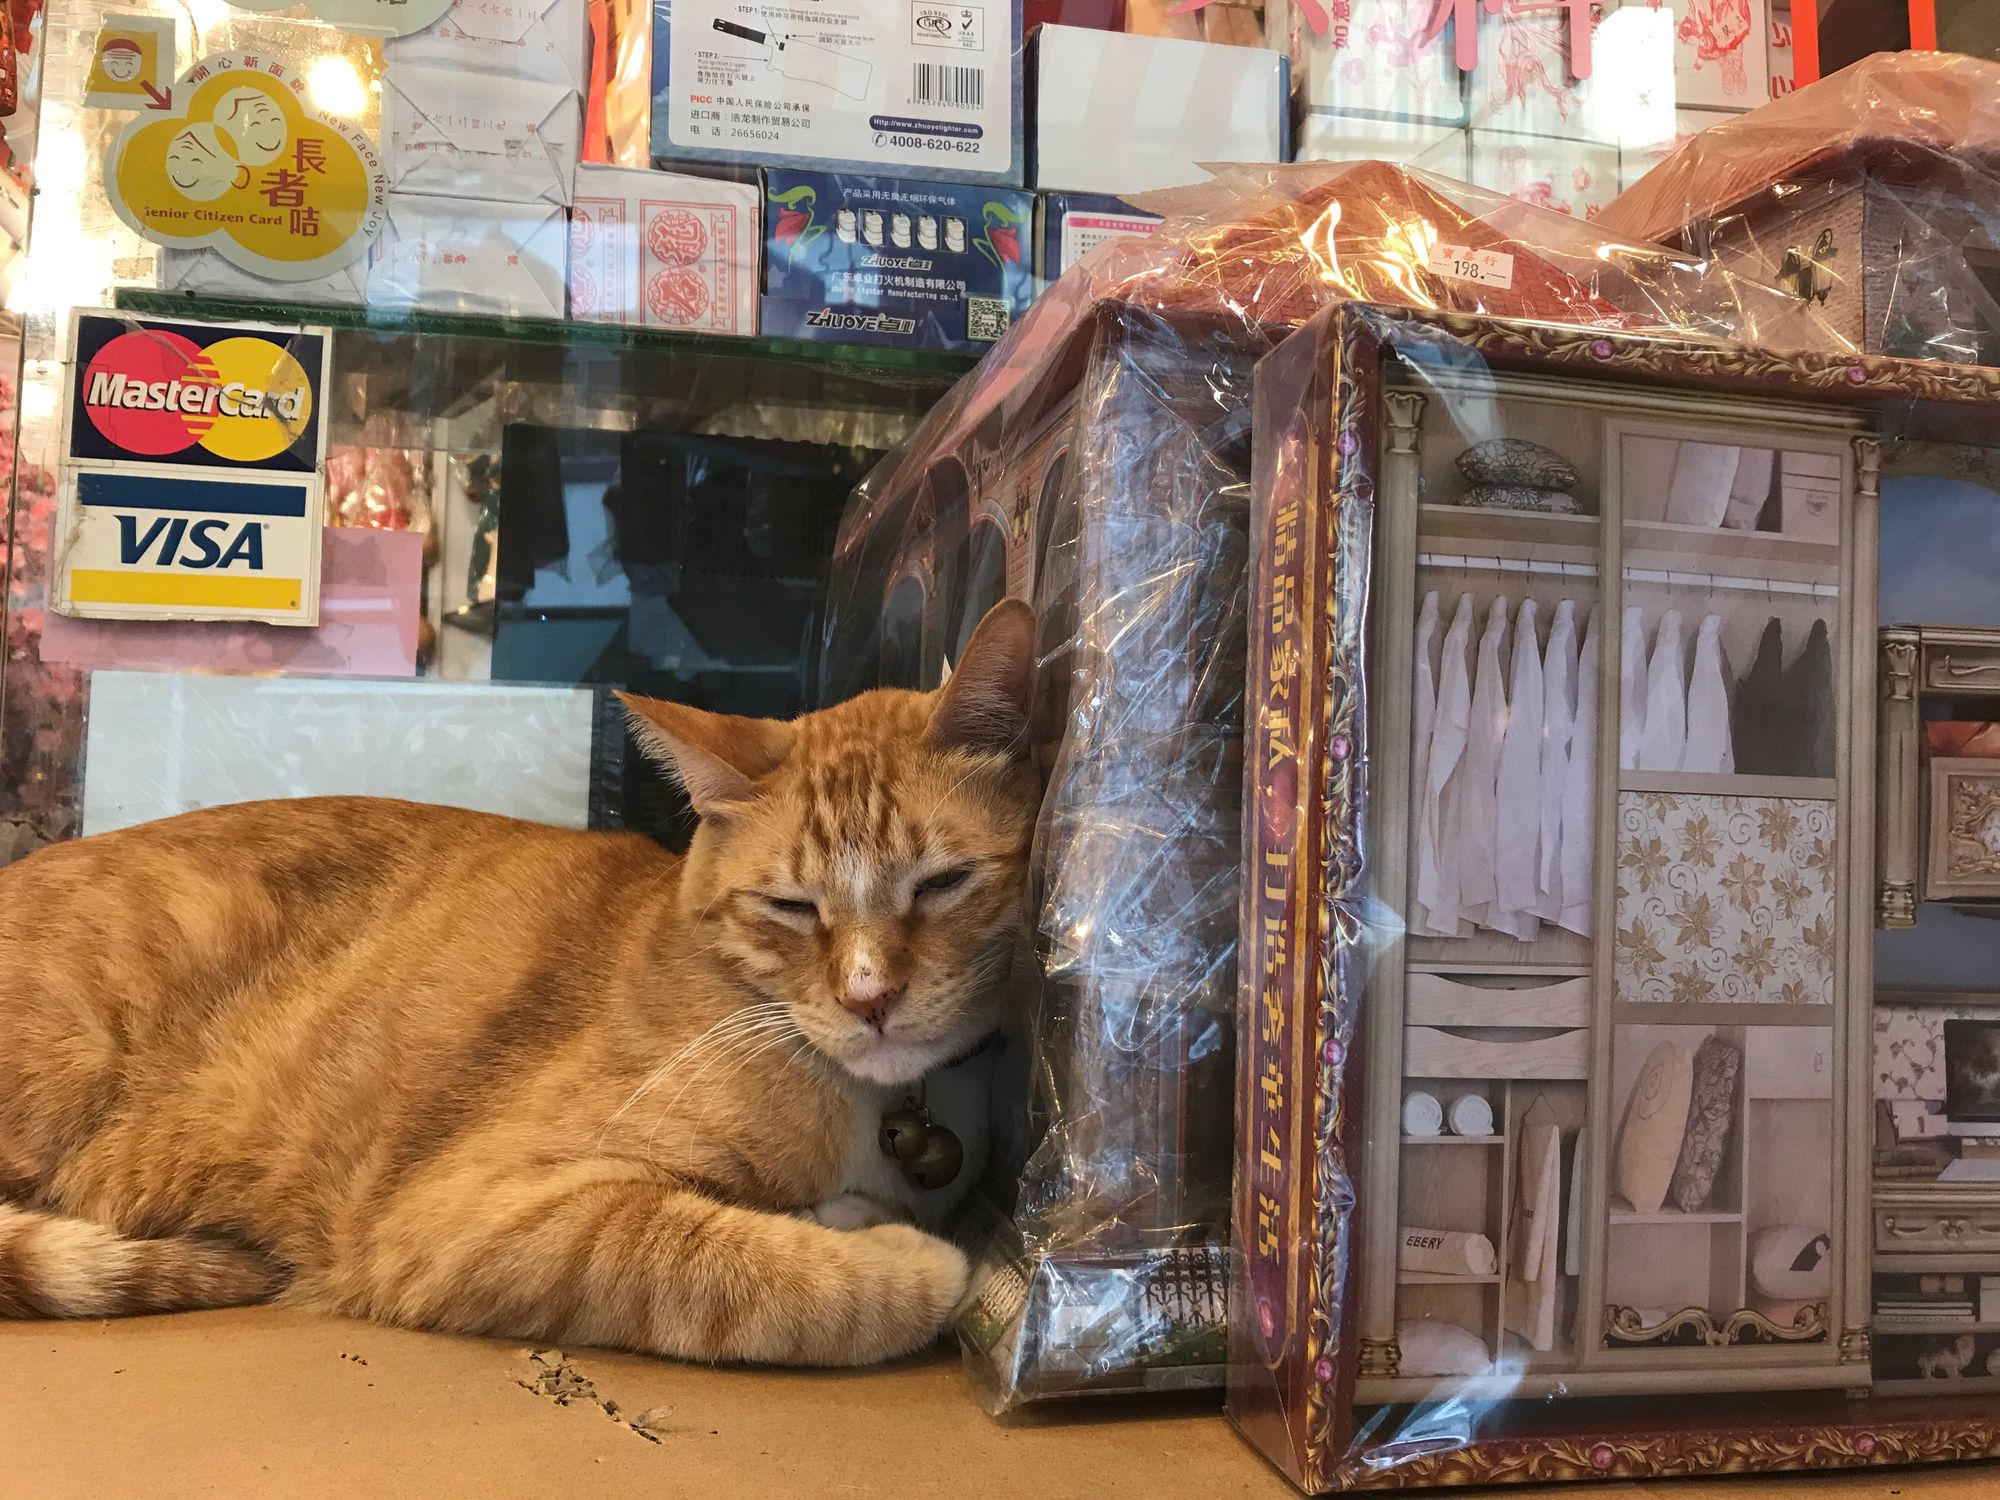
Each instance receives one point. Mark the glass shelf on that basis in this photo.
(609, 336)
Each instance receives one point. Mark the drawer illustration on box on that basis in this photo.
(1900, 1231)
(1488, 1052)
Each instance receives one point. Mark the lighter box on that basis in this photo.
(464, 135)
(452, 255)
(664, 250)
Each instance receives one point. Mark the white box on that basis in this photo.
(542, 41)
(664, 250)
(1326, 135)
(162, 743)
(464, 135)
(1375, 60)
(454, 255)
(1123, 114)
(206, 273)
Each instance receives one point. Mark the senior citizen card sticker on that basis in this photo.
(133, 66)
(244, 163)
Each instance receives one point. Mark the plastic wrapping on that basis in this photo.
(1099, 464)
(1584, 1127)
(1874, 193)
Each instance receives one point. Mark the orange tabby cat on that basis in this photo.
(460, 1072)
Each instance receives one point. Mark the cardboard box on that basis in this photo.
(539, 41)
(1122, 114)
(466, 135)
(873, 260)
(908, 88)
(664, 250)
(1070, 225)
(454, 255)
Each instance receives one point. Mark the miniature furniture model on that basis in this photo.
(1558, 1022)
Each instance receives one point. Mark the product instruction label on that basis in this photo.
(900, 83)
(1481, 267)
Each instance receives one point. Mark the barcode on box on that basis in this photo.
(986, 318)
(947, 86)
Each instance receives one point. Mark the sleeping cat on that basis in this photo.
(454, 1071)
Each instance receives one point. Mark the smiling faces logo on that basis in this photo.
(245, 166)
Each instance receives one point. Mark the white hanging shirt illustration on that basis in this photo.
(1708, 748)
(1666, 698)
(1437, 901)
(1631, 688)
(1558, 710)
(1579, 793)
(1472, 819)
(1518, 789)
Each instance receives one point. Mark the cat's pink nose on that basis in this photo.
(870, 996)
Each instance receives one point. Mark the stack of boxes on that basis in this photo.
(893, 172)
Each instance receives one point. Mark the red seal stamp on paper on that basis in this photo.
(675, 237)
(678, 298)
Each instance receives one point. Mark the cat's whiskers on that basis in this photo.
(727, 1029)
(770, 1043)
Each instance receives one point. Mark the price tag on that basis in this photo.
(1481, 267)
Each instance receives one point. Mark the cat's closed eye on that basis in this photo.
(943, 881)
(792, 907)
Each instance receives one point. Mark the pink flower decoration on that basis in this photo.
(1864, 1445)
(1323, 1371)
(1601, 349)
(1601, 1456)
(1341, 747)
(1266, 1319)
(1331, 1052)
(1856, 375)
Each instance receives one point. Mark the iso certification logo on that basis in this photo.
(961, 27)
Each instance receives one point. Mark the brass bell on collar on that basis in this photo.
(904, 1132)
(938, 1162)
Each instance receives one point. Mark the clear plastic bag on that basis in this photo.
(1100, 464)
(1873, 194)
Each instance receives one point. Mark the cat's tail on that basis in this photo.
(53, 1267)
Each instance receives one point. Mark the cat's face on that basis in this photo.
(867, 865)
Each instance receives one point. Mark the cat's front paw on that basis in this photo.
(858, 1211)
(925, 1280)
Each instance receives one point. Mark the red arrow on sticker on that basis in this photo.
(160, 100)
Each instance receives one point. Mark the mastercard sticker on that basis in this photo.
(205, 395)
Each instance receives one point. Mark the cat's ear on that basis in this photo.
(984, 706)
(718, 757)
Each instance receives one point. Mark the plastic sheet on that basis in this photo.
(1100, 464)
(1874, 193)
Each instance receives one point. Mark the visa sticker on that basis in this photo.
(153, 546)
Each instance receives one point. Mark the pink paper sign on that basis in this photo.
(371, 591)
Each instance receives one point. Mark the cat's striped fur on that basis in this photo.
(460, 1072)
